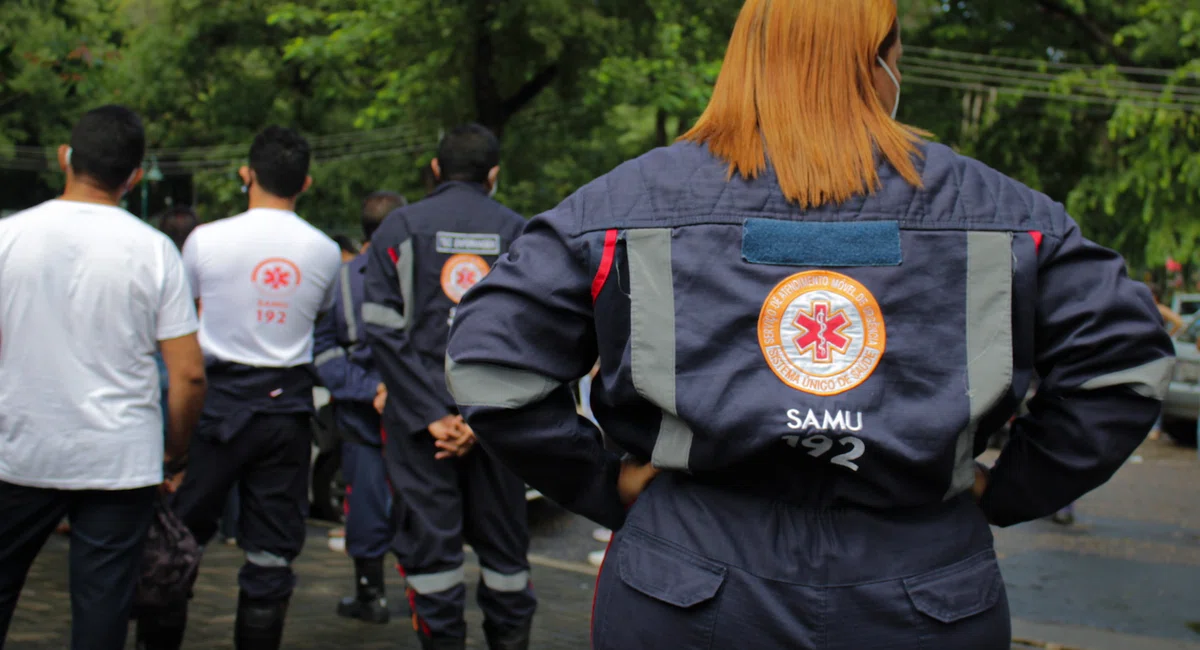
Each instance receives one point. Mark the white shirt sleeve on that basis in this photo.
(191, 264)
(334, 262)
(176, 308)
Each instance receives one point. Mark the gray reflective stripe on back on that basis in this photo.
(989, 341)
(652, 340)
(265, 559)
(497, 581)
(1150, 380)
(432, 583)
(480, 384)
(405, 268)
(376, 314)
(348, 307)
(329, 355)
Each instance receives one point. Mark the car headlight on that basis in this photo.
(1187, 371)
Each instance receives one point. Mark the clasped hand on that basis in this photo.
(452, 436)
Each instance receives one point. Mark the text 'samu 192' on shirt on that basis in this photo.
(261, 278)
(86, 293)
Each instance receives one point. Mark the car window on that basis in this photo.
(1190, 334)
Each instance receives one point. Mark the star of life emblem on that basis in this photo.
(821, 332)
(460, 273)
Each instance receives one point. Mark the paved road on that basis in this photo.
(1131, 565)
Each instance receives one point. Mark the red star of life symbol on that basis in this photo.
(465, 277)
(822, 332)
(276, 277)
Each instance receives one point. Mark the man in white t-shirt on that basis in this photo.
(260, 279)
(88, 292)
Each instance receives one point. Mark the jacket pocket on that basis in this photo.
(661, 596)
(960, 590)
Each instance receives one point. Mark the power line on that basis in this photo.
(956, 54)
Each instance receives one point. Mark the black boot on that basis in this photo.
(512, 638)
(162, 629)
(369, 604)
(259, 623)
(442, 642)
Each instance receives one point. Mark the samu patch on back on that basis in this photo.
(821, 244)
(468, 243)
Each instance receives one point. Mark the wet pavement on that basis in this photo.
(1125, 575)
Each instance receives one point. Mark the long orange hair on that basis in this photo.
(797, 85)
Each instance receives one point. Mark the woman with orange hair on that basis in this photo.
(809, 320)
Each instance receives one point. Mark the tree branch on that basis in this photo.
(529, 90)
(1092, 28)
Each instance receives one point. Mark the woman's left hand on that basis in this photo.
(633, 480)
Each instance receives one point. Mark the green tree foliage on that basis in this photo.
(1095, 102)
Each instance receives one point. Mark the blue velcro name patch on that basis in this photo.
(800, 243)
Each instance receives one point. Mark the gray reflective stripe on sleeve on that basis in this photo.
(265, 559)
(329, 355)
(1149, 380)
(497, 581)
(652, 340)
(376, 314)
(433, 583)
(479, 384)
(989, 341)
(405, 268)
(348, 306)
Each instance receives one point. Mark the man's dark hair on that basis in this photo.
(468, 153)
(280, 158)
(347, 245)
(177, 222)
(107, 146)
(376, 207)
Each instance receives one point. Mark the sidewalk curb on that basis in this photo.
(1055, 636)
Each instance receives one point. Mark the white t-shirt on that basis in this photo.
(86, 292)
(261, 278)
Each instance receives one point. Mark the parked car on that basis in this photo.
(1181, 409)
(327, 487)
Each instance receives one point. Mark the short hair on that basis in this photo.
(107, 145)
(177, 222)
(280, 158)
(468, 153)
(347, 245)
(376, 207)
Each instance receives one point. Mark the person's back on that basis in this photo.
(261, 278)
(78, 378)
(88, 293)
(812, 349)
(421, 263)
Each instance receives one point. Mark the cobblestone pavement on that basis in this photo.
(1130, 564)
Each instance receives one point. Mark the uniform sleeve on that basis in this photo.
(520, 337)
(346, 380)
(387, 316)
(1105, 363)
(191, 263)
(176, 307)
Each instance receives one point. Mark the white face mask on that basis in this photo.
(495, 186)
(892, 76)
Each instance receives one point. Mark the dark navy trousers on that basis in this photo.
(108, 531)
(474, 499)
(269, 460)
(368, 506)
(700, 566)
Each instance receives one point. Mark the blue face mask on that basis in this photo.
(892, 76)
